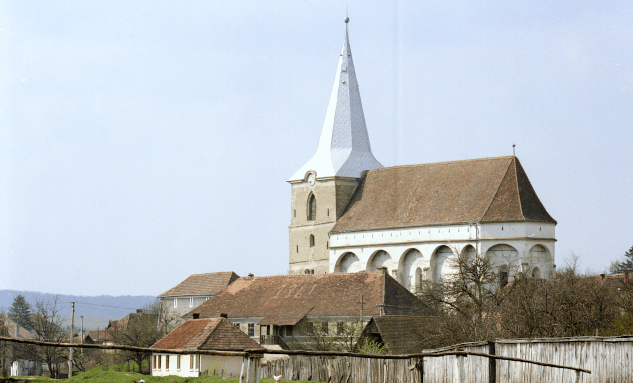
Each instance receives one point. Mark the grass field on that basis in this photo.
(98, 375)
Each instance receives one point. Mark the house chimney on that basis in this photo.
(196, 315)
(251, 275)
(224, 315)
(382, 269)
(139, 311)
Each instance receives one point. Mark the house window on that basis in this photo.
(311, 240)
(325, 329)
(178, 362)
(166, 362)
(328, 212)
(251, 329)
(160, 359)
(175, 302)
(191, 302)
(310, 328)
(295, 213)
(312, 208)
(155, 363)
(339, 328)
(236, 324)
(191, 362)
(288, 330)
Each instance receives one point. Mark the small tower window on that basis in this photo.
(311, 240)
(312, 208)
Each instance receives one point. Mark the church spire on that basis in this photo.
(344, 149)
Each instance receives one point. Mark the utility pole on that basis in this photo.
(72, 330)
(82, 334)
(362, 302)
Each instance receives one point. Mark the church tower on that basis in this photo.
(322, 188)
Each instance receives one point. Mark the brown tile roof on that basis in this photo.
(12, 326)
(100, 335)
(207, 334)
(403, 334)
(284, 300)
(123, 323)
(201, 284)
(480, 190)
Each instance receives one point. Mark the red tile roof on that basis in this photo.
(404, 334)
(13, 327)
(201, 284)
(207, 334)
(284, 300)
(480, 190)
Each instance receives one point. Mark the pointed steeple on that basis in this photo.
(344, 149)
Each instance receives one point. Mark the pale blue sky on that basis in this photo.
(142, 142)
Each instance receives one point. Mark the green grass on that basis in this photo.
(96, 374)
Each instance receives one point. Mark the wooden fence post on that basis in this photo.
(244, 368)
(458, 369)
(492, 364)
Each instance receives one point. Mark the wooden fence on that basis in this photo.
(471, 362)
(608, 359)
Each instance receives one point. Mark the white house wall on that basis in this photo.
(522, 236)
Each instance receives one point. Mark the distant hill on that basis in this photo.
(97, 310)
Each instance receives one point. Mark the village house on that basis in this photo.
(348, 213)
(281, 310)
(202, 334)
(399, 334)
(10, 355)
(194, 291)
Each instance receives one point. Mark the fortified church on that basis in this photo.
(351, 214)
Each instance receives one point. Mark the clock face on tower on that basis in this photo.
(311, 179)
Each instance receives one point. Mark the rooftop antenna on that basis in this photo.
(513, 151)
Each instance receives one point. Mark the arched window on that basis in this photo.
(311, 240)
(536, 273)
(312, 208)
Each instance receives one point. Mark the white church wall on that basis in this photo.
(415, 255)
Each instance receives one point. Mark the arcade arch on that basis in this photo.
(380, 258)
(348, 263)
(438, 259)
(412, 269)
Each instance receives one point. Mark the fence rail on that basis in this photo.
(461, 363)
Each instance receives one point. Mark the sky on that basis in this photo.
(142, 142)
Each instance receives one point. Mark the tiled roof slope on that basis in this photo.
(201, 284)
(123, 323)
(207, 334)
(13, 328)
(284, 300)
(480, 190)
(403, 334)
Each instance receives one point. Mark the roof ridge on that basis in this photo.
(516, 179)
(497, 191)
(311, 275)
(440, 163)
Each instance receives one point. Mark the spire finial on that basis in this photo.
(346, 18)
(513, 151)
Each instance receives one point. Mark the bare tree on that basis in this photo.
(5, 347)
(143, 330)
(326, 334)
(47, 324)
(466, 300)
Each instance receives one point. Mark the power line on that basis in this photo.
(95, 304)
